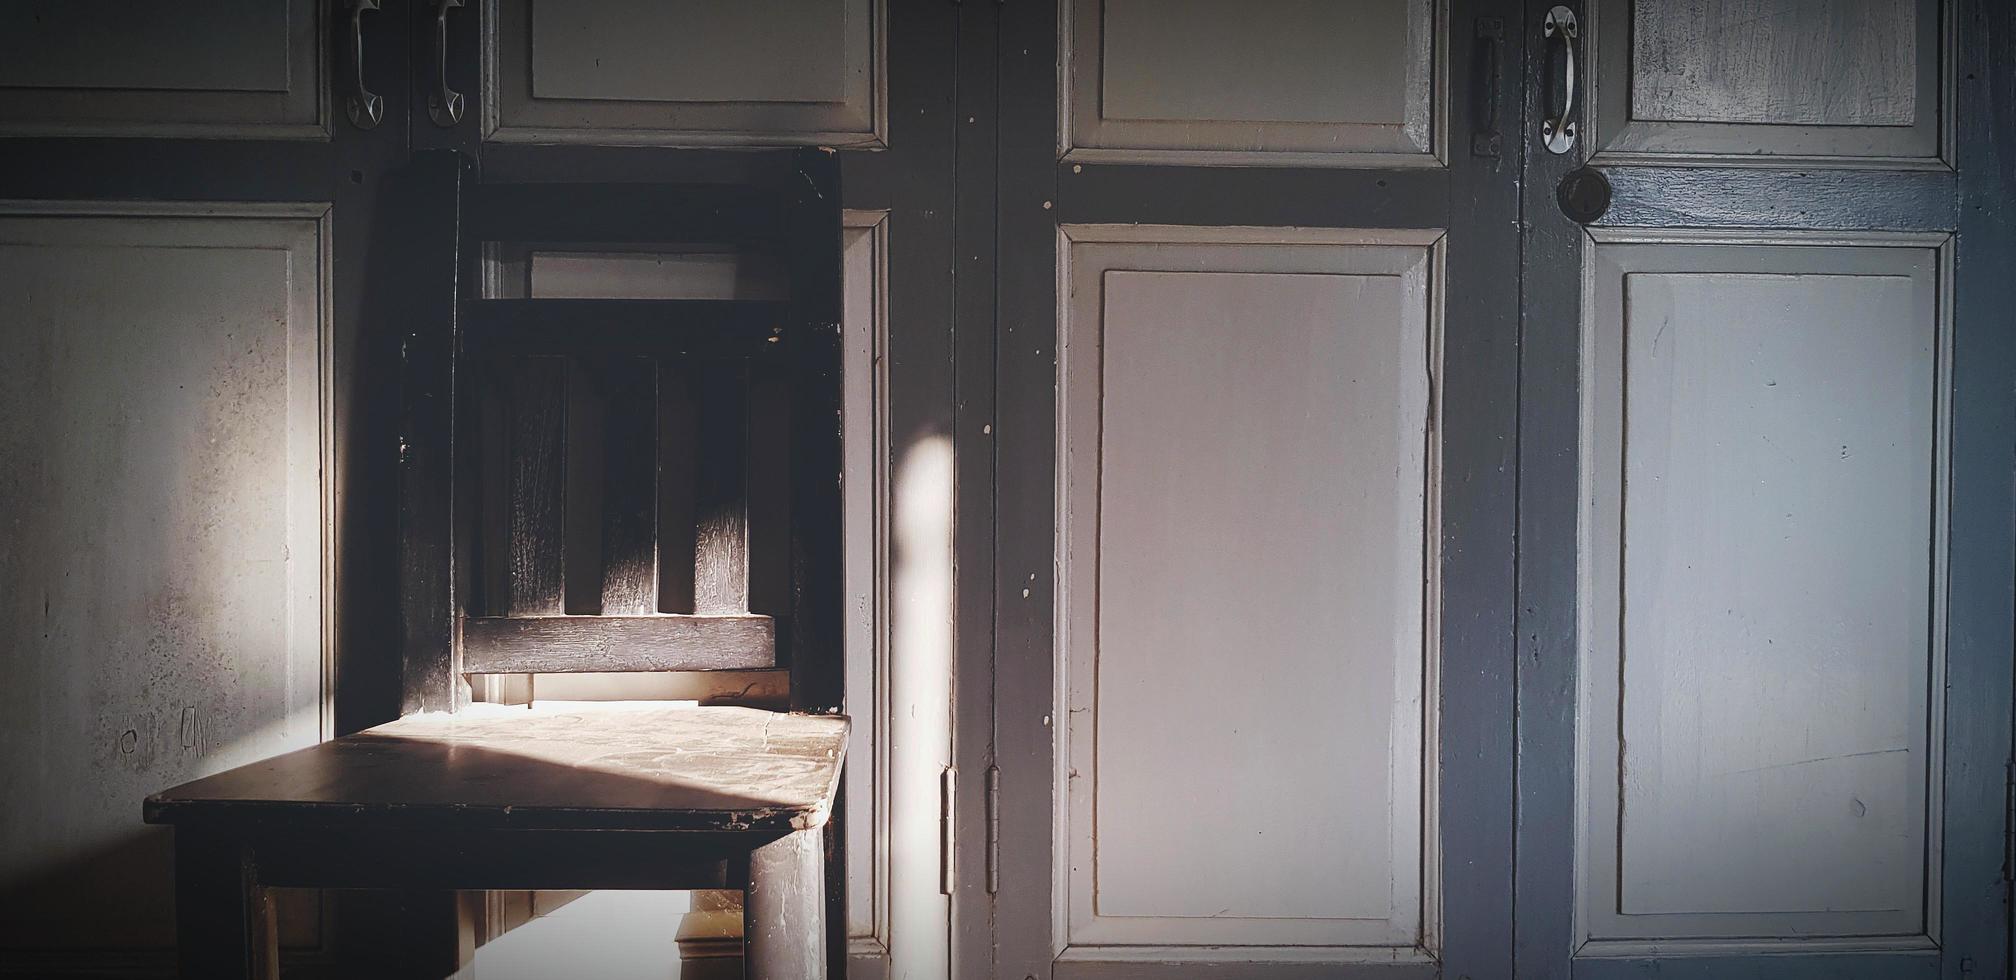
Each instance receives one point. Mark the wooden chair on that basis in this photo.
(684, 401)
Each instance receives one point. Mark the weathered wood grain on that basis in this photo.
(1750, 80)
(721, 507)
(559, 644)
(1705, 197)
(786, 931)
(634, 766)
(630, 487)
(678, 485)
(537, 410)
(1840, 63)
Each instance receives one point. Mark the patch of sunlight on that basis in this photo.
(609, 935)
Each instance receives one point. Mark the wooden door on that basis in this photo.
(1765, 564)
(197, 507)
(1254, 389)
(1313, 463)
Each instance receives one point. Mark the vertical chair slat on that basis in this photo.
(586, 404)
(629, 486)
(721, 514)
(536, 390)
(493, 438)
(678, 485)
(769, 449)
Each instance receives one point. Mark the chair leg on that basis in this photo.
(784, 917)
(224, 922)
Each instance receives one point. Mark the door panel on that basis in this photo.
(1285, 82)
(246, 68)
(1244, 468)
(1769, 78)
(1761, 591)
(1235, 734)
(699, 74)
(165, 619)
(623, 55)
(1743, 606)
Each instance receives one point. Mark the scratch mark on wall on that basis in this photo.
(1808, 762)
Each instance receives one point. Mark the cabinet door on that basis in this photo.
(1765, 550)
(685, 73)
(194, 485)
(248, 69)
(166, 565)
(1252, 429)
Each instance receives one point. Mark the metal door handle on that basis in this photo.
(1558, 132)
(365, 107)
(444, 105)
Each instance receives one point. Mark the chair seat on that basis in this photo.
(572, 766)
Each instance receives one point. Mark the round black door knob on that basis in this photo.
(1584, 195)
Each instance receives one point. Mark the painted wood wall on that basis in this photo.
(1249, 449)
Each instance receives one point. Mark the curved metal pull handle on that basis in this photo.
(1558, 132)
(444, 105)
(365, 107)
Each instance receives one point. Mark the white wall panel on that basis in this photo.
(1246, 466)
(1761, 590)
(162, 564)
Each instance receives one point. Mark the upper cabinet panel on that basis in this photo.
(1857, 80)
(1267, 82)
(685, 73)
(228, 68)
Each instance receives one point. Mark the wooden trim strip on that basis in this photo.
(627, 326)
(563, 644)
(1695, 197)
(712, 213)
(1107, 193)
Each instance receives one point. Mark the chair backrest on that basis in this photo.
(627, 485)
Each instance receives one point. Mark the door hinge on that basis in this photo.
(993, 829)
(2008, 822)
(948, 812)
